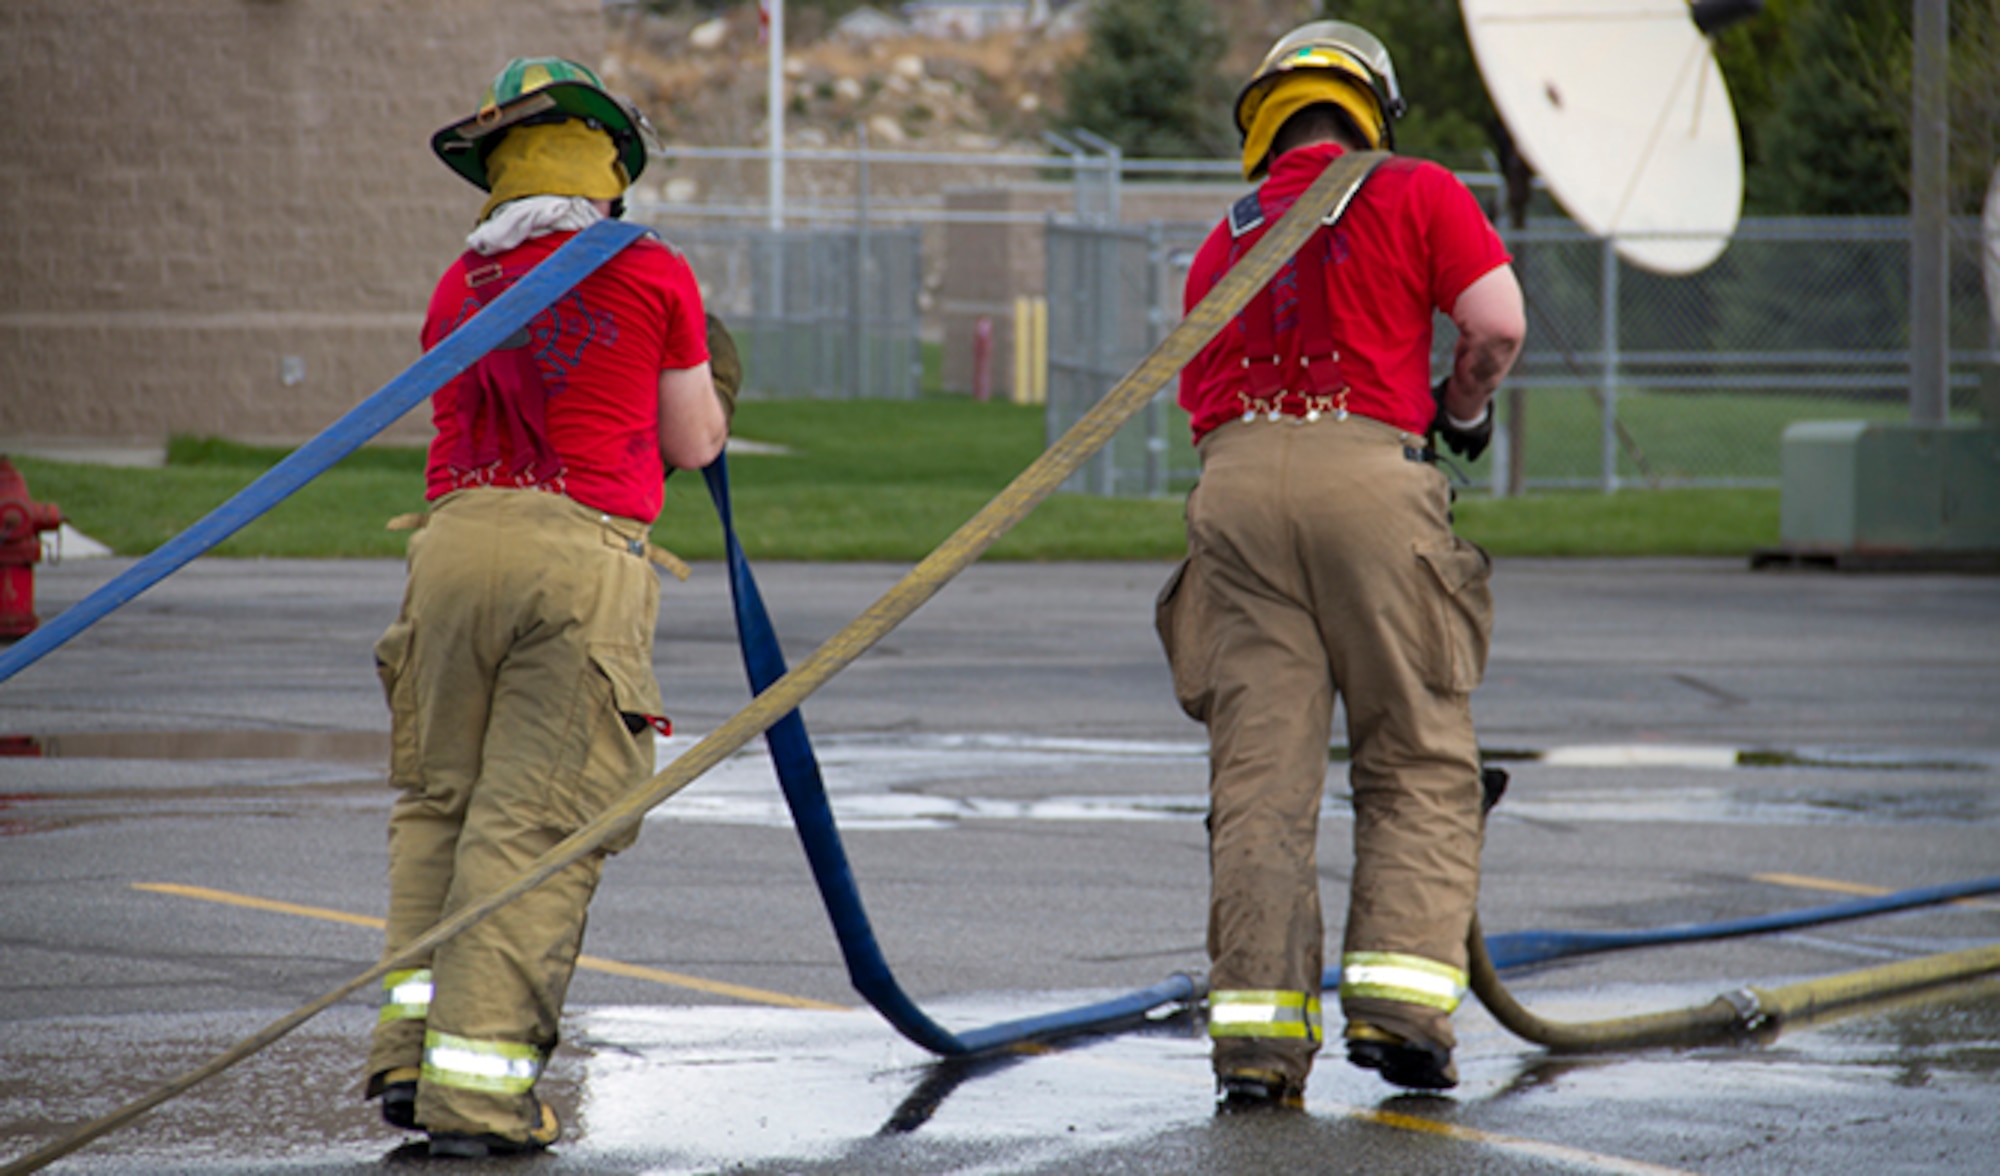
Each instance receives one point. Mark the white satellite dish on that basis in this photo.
(1990, 223)
(1619, 106)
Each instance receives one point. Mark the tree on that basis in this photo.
(1753, 57)
(1804, 77)
(1823, 92)
(1450, 118)
(1148, 80)
(1975, 101)
(1836, 140)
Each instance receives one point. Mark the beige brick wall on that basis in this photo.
(222, 217)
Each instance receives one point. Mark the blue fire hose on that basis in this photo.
(507, 314)
(805, 794)
(812, 814)
(1519, 949)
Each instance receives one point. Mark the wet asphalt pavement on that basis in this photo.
(193, 846)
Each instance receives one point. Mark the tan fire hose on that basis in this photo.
(1326, 199)
(1741, 1013)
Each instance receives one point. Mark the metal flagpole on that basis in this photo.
(775, 100)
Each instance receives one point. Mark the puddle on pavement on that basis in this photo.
(932, 782)
(26, 813)
(48, 783)
(881, 781)
(318, 746)
(1849, 1092)
(706, 1079)
(754, 1086)
(729, 1087)
(901, 782)
(1718, 804)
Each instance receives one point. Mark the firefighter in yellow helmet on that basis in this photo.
(1322, 564)
(519, 673)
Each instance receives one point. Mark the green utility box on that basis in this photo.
(1880, 492)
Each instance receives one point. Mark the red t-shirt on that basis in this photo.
(585, 420)
(1412, 240)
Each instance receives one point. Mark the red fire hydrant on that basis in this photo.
(22, 521)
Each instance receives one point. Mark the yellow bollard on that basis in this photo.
(1031, 350)
(1023, 389)
(1038, 358)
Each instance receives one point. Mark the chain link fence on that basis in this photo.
(1114, 293)
(1628, 378)
(825, 313)
(837, 300)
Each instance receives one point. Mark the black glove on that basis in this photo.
(1467, 443)
(725, 365)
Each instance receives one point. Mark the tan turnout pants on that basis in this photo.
(525, 640)
(1320, 560)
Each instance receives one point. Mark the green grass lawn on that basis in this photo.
(883, 480)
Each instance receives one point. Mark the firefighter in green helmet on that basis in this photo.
(519, 672)
(1322, 564)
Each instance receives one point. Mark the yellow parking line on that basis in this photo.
(1514, 1143)
(593, 963)
(718, 987)
(1836, 886)
(259, 904)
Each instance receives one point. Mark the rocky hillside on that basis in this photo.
(702, 81)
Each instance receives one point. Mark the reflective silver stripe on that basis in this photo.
(1264, 1012)
(406, 996)
(1388, 975)
(497, 1067)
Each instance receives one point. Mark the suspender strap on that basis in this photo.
(508, 398)
(1321, 373)
(1294, 300)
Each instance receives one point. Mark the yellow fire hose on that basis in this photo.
(1326, 198)
(1741, 1013)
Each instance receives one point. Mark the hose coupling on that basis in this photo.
(1197, 983)
(1750, 1014)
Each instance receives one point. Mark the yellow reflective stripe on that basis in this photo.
(406, 995)
(1264, 1012)
(497, 1067)
(1388, 975)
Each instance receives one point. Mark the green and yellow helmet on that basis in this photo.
(541, 89)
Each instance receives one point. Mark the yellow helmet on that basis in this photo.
(1327, 61)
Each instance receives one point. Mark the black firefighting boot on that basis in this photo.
(1415, 1065)
(463, 1145)
(1257, 1090)
(398, 1092)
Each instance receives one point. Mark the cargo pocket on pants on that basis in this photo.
(1180, 616)
(1461, 616)
(623, 696)
(392, 658)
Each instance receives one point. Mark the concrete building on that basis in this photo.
(223, 216)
